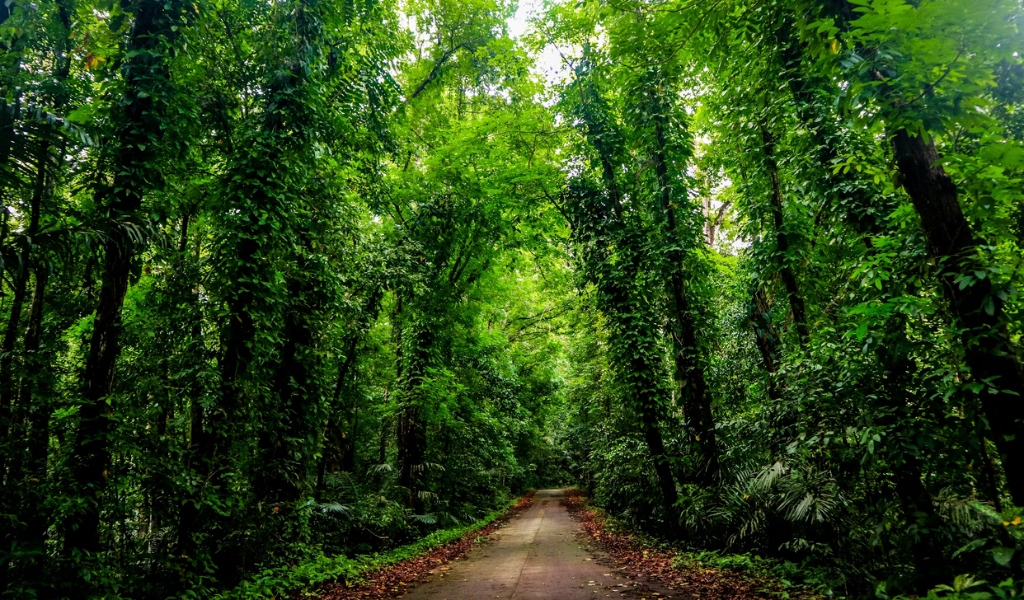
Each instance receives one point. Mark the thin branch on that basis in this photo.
(930, 87)
(437, 70)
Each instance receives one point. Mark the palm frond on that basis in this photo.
(427, 519)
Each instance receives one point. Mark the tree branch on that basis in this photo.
(437, 70)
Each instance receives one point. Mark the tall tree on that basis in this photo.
(141, 122)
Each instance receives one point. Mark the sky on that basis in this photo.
(548, 61)
(517, 25)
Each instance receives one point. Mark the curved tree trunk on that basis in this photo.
(989, 352)
(626, 312)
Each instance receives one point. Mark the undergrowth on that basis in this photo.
(791, 575)
(285, 581)
(806, 577)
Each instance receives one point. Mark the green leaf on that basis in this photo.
(1002, 556)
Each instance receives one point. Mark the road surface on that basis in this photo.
(540, 554)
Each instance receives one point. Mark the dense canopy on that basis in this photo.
(292, 280)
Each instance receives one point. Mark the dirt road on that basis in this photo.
(538, 555)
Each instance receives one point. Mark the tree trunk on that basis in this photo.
(188, 520)
(36, 403)
(27, 468)
(287, 455)
(339, 440)
(34, 399)
(12, 408)
(8, 389)
(796, 301)
(145, 73)
(8, 385)
(765, 337)
(767, 341)
(412, 430)
(989, 352)
(91, 452)
(217, 439)
(382, 448)
(930, 566)
(198, 439)
(348, 459)
(689, 366)
(412, 447)
(345, 446)
(662, 467)
(620, 305)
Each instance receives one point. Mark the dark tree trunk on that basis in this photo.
(853, 198)
(12, 407)
(8, 378)
(216, 440)
(156, 23)
(930, 566)
(662, 467)
(183, 238)
(412, 430)
(285, 444)
(345, 435)
(796, 301)
(767, 341)
(188, 520)
(689, 366)
(33, 398)
(336, 443)
(37, 405)
(634, 360)
(765, 337)
(287, 455)
(348, 459)
(91, 455)
(382, 449)
(198, 440)
(627, 314)
(30, 433)
(412, 448)
(340, 438)
(989, 464)
(989, 352)
(8, 388)
(605, 217)
(385, 424)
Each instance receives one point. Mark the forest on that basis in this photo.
(288, 280)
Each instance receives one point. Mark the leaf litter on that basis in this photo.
(660, 567)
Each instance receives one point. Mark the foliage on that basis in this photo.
(318, 278)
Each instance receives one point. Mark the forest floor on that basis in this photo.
(555, 549)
